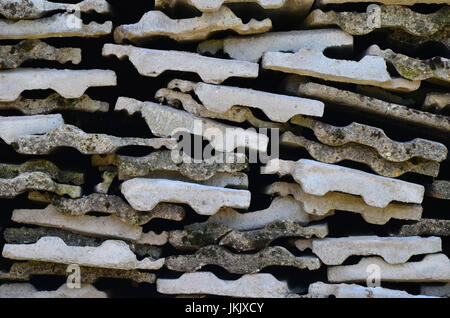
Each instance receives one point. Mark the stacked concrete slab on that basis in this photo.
(316, 165)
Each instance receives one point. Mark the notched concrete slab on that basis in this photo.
(28, 235)
(165, 160)
(318, 179)
(259, 239)
(237, 114)
(381, 16)
(8, 171)
(111, 254)
(375, 138)
(11, 187)
(361, 154)
(370, 70)
(215, 5)
(13, 127)
(281, 208)
(104, 226)
(89, 144)
(251, 285)
(156, 23)
(251, 48)
(279, 108)
(56, 26)
(152, 63)
(217, 233)
(33, 9)
(394, 250)
(240, 263)
(55, 102)
(25, 290)
(433, 268)
(67, 83)
(320, 206)
(165, 121)
(236, 180)
(209, 234)
(110, 204)
(145, 194)
(12, 56)
(437, 68)
(322, 290)
(89, 275)
(425, 227)
(376, 106)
